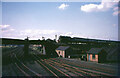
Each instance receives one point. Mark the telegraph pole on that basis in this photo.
(26, 47)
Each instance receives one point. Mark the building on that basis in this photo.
(63, 51)
(97, 55)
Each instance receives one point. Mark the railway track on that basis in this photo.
(97, 68)
(52, 69)
(19, 67)
(24, 69)
(61, 67)
(11, 50)
(83, 67)
(9, 57)
(55, 67)
(76, 71)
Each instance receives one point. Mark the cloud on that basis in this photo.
(116, 11)
(7, 31)
(115, 8)
(114, 25)
(71, 34)
(37, 34)
(6, 28)
(104, 6)
(63, 6)
(37, 31)
(68, 34)
(33, 34)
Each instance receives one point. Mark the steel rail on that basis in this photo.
(101, 73)
(54, 68)
(55, 63)
(37, 74)
(45, 67)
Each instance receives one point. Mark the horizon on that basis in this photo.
(92, 20)
(58, 38)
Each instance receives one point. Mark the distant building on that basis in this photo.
(97, 55)
(63, 51)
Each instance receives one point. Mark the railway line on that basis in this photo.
(9, 57)
(52, 69)
(75, 70)
(89, 68)
(71, 69)
(61, 67)
(20, 66)
(10, 51)
(24, 69)
(53, 66)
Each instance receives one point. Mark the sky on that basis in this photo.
(95, 20)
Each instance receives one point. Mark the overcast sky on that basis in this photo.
(96, 20)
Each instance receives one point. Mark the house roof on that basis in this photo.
(62, 48)
(94, 50)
